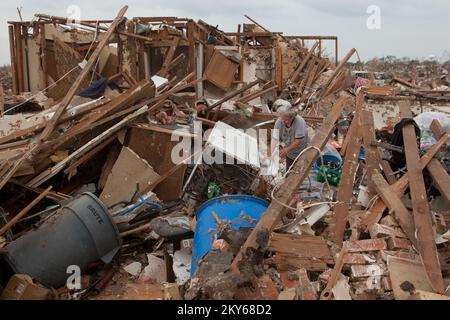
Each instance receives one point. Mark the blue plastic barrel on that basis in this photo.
(240, 210)
(327, 158)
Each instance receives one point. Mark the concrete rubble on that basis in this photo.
(92, 115)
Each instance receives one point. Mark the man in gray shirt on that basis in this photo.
(291, 132)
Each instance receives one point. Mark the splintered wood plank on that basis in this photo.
(371, 152)
(385, 165)
(89, 155)
(351, 130)
(86, 70)
(421, 210)
(288, 262)
(169, 57)
(345, 189)
(402, 271)
(303, 246)
(287, 190)
(440, 178)
(395, 204)
(296, 73)
(436, 169)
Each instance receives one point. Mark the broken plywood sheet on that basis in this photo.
(128, 172)
(300, 251)
(221, 70)
(406, 274)
(156, 148)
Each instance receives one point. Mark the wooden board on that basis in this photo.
(304, 246)
(401, 270)
(220, 71)
(371, 152)
(292, 252)
(395, 204)
(156, 148)
(421, 211)
(345, 189)
(441, 179)
(129, 171)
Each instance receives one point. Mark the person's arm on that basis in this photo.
(292, 146)
(275, 142)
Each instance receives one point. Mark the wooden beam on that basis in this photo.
(91, 24)
(436, 169)
(43, 48)
(336, 71)
(233, 94)
(287, 190)
(12, 53)
(350, 132)
(168, 58)
(395, 204)
(19, 57)
(2, 101)
(385, 165)
(11, 171)
(421, 211)
(302, 64)
(440, 178)
(89, 155)
(371, 152)
(345, 189)
(256, 94)
(24, 211)
(87, 68)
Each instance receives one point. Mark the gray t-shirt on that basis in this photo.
(297, 130)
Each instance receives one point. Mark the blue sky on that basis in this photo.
(414, 28)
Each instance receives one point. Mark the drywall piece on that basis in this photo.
(155, 270)
(182, 265)
(341, 290)
(133, 268)
(129, 171)
(406, 274)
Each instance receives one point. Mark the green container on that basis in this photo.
(333, 176)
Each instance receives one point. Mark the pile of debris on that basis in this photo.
(100, 200)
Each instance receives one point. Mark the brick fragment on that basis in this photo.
(366, 245)
(394, 243)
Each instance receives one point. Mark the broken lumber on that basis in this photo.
(86, 69)
(399, 187)
(233, 94)
(394, 203)
(336, 72)
(345, 189)
(421, 210)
